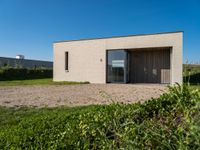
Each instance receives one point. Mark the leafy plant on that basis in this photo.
(168, 122)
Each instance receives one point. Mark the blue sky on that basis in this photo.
(29, 27)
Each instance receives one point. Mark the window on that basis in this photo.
(66, 61)
(116, 66)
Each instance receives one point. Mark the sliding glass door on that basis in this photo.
(117, 66)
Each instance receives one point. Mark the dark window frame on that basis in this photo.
(67, 61)
(107, 59)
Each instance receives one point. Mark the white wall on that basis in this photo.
(85, 55)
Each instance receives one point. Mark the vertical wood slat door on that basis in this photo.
(150, 66)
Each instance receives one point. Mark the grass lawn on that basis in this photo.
(11, 116)
(47, 81)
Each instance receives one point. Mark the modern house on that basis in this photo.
(146, 58)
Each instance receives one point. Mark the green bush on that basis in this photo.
(191, 74)
(193, 78)
(23, 73)
(169, 122)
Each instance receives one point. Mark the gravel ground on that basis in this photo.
(76, 95)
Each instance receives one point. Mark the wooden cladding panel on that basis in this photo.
(150, 66)
(165, 75)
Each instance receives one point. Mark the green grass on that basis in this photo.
(169, 122)
(47, 81)
(11, 116)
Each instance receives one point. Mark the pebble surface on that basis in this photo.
(77, 95)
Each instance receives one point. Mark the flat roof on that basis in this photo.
(26, 59)
(117, 36)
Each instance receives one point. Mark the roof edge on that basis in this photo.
(1, 57)
(118, 36)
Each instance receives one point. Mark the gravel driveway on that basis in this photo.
(74, 95)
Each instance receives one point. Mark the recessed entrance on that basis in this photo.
(146, 65)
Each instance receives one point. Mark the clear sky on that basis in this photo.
(29, 27)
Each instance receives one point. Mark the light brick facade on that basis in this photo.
(87, 57)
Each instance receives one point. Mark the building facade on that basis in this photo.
(147, 58)
(24, 63)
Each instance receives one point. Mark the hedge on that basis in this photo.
(23, 73)
(192, 74)
(193, 79)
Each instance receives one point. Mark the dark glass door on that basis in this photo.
(117, 66)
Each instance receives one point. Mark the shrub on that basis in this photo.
(191, 74)
(193, 78)
(168, 122)
(22, 74)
